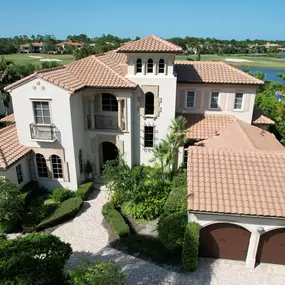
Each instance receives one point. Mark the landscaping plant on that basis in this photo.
(84, 190)
(61, 194)
(176, 201)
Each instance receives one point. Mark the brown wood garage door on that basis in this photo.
(224, 241)
(271, 247)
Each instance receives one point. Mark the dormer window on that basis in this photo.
(150, 66)
(139, 66)
(161, 66)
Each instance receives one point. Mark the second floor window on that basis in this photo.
(238, 101)
(214, 100)
(139, 65)
(149, 103)
(42, 113)
(190, 100)
(150, 66)
(109, 102)
(19, 173)
(148, 136)
(161, 66)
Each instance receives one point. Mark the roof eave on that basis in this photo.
(226, 83)
(149, 51)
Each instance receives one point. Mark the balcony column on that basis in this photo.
(119, 113)
(126, 114)
(92, 113)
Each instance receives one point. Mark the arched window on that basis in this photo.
(149, 103)
(139, 65)
(80, 158)
(109, 102)
(150, 66)
(56, 166)
(41, 165)
(161, 66)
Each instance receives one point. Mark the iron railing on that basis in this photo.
(106, 122)
(46, 133)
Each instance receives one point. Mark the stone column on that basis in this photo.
(119, 113)
(92, 113)
(126, 114)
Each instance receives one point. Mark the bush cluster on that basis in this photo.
(191, 246)
(66, 211)
(171, 229)
(61, 194)
(118, 223)
(179, 180)
(84, 190)
(33, 259)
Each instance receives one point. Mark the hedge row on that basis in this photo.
(118, 223)
(66, 211)
(191, 246)
(84, 190)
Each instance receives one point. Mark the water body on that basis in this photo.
(270, 72)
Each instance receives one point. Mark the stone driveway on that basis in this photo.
(89, 240)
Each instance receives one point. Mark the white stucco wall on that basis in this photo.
(226, 100)
(59, 100)
(11, 173)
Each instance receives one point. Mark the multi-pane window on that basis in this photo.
(19, 173)
(190, 103)
(149, 103)
(238, 101)
(41, 165)
(42, 112)
(80, 158)
(214, 100)
(148, 136)
(139, 65)
(161, 66)
(150, 66)
(109, 102)
(56, 166)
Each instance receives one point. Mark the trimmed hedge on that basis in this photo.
(113, 216)
(61, 194)
(66, 211)
(176, 201)
(84, 190)
(33, 259)
(191, 246)
(171, 229)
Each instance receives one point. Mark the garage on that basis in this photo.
(223, 240)
(271, 247)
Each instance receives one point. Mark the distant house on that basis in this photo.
(61, 46)
(279, 96)
(31, 47)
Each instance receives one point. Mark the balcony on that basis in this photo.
(44, 132)
(106, 122)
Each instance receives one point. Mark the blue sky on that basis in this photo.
(129, 18)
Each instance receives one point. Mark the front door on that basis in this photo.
(110, 151)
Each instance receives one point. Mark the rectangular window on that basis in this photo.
(190, 103)
(42, 113)
(19, 173)
(238, 101)
(214, 100)
(109, 102)
(148, 136)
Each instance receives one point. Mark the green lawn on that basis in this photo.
(269, 62)
(23, 58)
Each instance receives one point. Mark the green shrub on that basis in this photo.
(118, 223)
(171, 229)
(66, 211)
(8, 226)
(84, 190)
(149, 246)
(34, 189)
(61, 194)
(191, 246)
(176, 201)
(100, 272)
(33, 259)
(179, 179)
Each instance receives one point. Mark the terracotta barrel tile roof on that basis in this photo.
(8, 119)
(212, 72)
(242, 182)
(10, 148)
(259, 119)
(150, 44)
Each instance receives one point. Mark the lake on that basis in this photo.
(270, 72)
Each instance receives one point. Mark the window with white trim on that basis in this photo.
(148, 136)
(109, 102)
(150, 66)
(238, 101)
(161, 66)
(139, 65)
(41, 166)
(80, 158)
(56, 166)
(214, 100)
(19, 173)
(42, 113)
(190, 99)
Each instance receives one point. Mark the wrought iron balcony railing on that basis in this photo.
(44, 132)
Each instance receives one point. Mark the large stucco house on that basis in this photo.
(124, 100)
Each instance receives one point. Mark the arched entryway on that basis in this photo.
(271, 247)
(109, 152)
(224, 240)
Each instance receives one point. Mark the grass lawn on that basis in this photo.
(264, 62)
(23, 58)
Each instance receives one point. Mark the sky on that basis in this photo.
(231, 19)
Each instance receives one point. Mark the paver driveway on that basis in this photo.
(89, 240)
